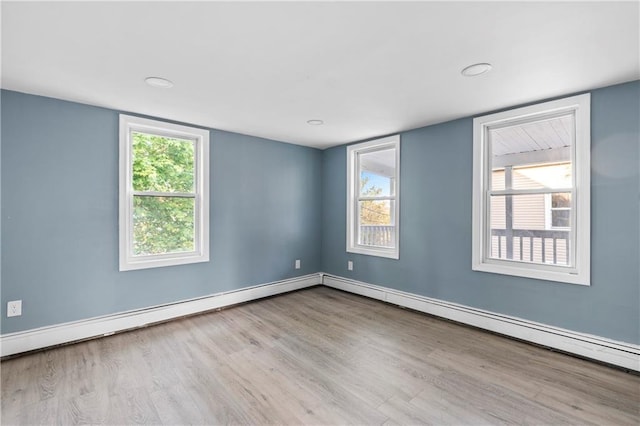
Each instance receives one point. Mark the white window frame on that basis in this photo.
(353, 196)
(200, 137)
(580, 272)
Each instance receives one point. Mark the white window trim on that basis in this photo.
(201, 143)
(581, 213)
(390, 142)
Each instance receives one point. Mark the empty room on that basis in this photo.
(320, 213)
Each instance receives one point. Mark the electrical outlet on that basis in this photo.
(14, 308)
(350, 265)
(297, 263)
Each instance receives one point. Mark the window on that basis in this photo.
(558, 211)
(164, 194)
(373, 201)
(531, 191)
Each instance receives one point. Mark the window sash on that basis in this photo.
(572, 240)
(533, 242)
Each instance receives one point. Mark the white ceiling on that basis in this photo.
(366, 69)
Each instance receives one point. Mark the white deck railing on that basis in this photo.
(378, 235)
(531, 245)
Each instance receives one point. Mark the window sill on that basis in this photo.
(530, 271)
(158, 262)
(375, 251)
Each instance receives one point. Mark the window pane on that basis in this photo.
(162, 164)
(372, 184)
(562, 199)
(376, 224)
(377, 172)
(561, 218)
(517, 228)
(163, 225)
(539, 154)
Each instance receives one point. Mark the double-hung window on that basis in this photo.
(531, 191)
(373, 201)
(164, 194)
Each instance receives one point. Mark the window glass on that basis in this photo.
(162, 164)
(163, 225)
(376, 223)
(523, 227)
(561, 210)
(377, 170)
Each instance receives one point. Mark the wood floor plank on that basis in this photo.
(315, 356)
(406, 412)
(19, 384)
(88, 408)
(38, 413)
(175, 406)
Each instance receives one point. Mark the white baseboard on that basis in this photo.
(621, 354)
(24, 341)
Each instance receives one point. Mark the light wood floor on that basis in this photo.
(316, 356)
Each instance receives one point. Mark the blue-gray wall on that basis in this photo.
(435, 239)
(60, 216)
(59, 175)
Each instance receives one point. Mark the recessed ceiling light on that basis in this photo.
(315, 122)
(158, 82)
(476, 69)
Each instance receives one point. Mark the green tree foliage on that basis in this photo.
(162, 164)
(163, 224)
